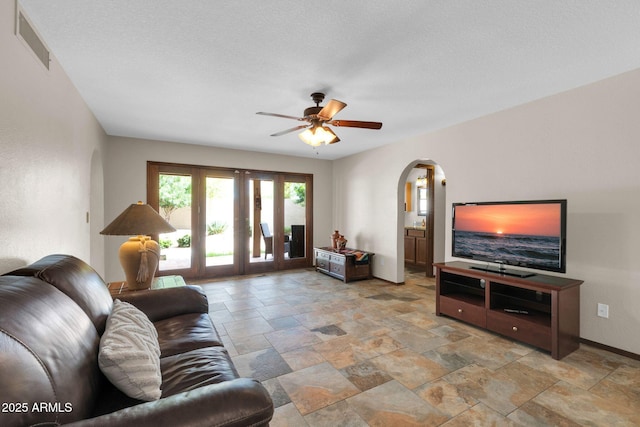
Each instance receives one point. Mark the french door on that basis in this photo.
(230, 221)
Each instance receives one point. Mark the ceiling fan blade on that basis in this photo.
(284, 116)
(290, 130)
(331, 109)
(355, 124)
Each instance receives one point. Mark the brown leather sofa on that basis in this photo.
(52, 315)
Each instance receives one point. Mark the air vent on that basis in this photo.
(29, 35)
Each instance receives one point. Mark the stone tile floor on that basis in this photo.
(374, 353)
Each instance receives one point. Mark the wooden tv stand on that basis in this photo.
(540, 310)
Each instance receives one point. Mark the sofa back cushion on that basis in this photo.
(78, 280)
(48, 354)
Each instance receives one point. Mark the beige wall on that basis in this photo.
(51, 160)
(582, 145)
(126, 168)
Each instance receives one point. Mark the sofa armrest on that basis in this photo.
(235, 403)
(161, 304)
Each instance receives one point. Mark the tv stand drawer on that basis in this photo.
(520, 328)
(464, 311)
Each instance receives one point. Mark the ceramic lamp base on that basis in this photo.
(139, 258)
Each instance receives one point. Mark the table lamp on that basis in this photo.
(139, 256)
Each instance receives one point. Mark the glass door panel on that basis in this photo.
(231, 221)
(260, 237)
(219, 221)
(175, 202)
(295, 215)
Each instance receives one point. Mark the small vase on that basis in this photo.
(334, 239)
(341, 242)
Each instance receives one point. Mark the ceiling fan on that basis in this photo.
(317, 117)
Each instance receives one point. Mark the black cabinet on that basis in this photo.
(296, 249)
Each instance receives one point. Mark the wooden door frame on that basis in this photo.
(228, 269)
(430, 172)
(307, 260)
(198, 224)
(154, 169)
(246, 176)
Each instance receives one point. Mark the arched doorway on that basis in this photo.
(95, 216)
(421, 216)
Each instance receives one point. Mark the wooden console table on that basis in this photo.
(345, 264)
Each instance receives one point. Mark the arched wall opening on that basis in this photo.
(95, 216)
(406, 218)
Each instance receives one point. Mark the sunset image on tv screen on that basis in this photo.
(527, 219)
(523, 234)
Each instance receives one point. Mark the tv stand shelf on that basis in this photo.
(538, 309)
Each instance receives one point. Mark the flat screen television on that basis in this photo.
(530, 234)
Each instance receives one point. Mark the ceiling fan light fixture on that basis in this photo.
(330, 137)
(318, 135)
(309, 137)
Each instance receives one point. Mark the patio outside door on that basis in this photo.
(174, 191)
(220, 228)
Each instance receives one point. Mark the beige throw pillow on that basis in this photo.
(129, 353)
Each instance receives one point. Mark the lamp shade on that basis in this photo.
(138, 219)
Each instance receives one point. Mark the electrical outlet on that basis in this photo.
(603, 310)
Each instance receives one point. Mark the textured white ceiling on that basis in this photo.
(197, 71)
